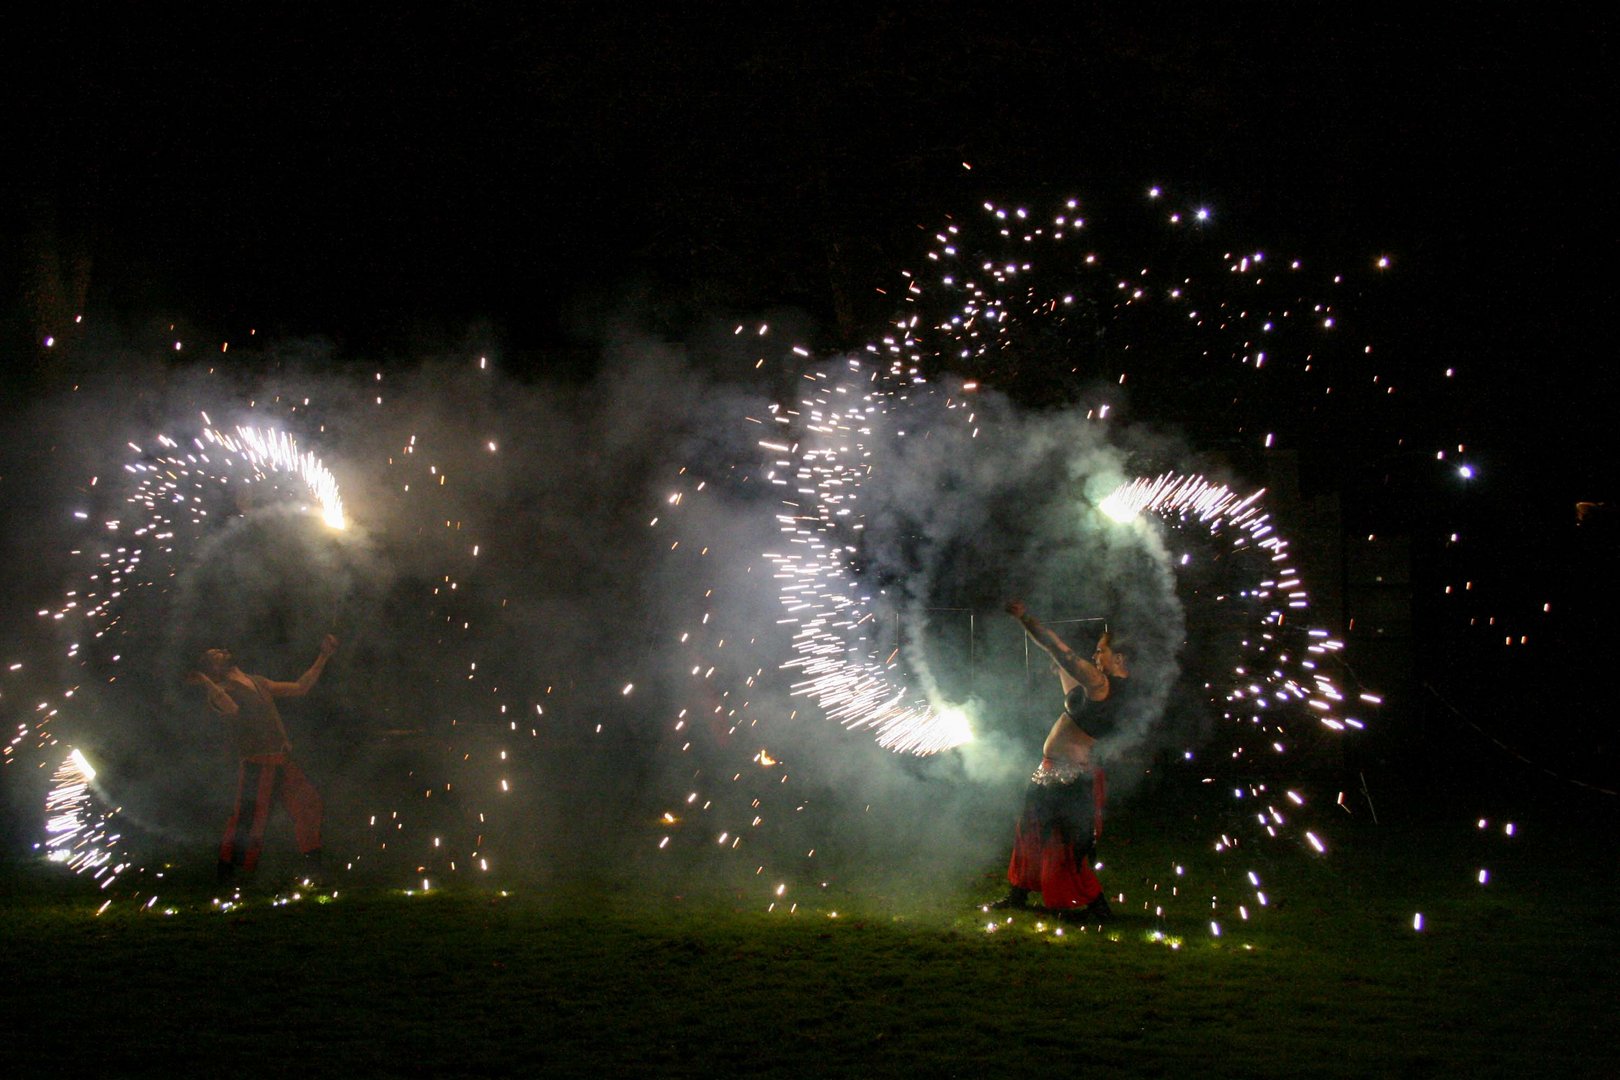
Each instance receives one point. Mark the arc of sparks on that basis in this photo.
(842, 668)
(1287, 677)
(1175, 496)
(277, 451)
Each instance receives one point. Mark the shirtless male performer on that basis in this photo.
(1062, 816)
(266, 769)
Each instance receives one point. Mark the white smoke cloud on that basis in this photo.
(500, 586)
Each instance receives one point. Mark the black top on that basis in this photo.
(1099, 718)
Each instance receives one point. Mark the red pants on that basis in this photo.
(1057, 836)
(262, 778)
(1053, 869)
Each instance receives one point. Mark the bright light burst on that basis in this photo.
(276, 451)
(78, 829)
(1171, 494)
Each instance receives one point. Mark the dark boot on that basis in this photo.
(1097, 911)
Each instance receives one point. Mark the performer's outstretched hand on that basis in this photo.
(329, 645)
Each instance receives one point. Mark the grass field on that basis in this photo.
(1511, 978)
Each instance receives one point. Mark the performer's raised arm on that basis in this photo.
(306, 682)
(1076, 670)
(218, 699)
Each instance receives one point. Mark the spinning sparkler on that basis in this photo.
(975, 304)
(172, 492)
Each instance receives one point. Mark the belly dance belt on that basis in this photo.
(1059, 772)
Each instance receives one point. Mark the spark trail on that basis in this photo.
(831, 613)
(1283, 679)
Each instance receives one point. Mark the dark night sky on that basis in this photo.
(396, 181)
(357, 174)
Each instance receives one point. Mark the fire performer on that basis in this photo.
(1063, 807)
(266, 769)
